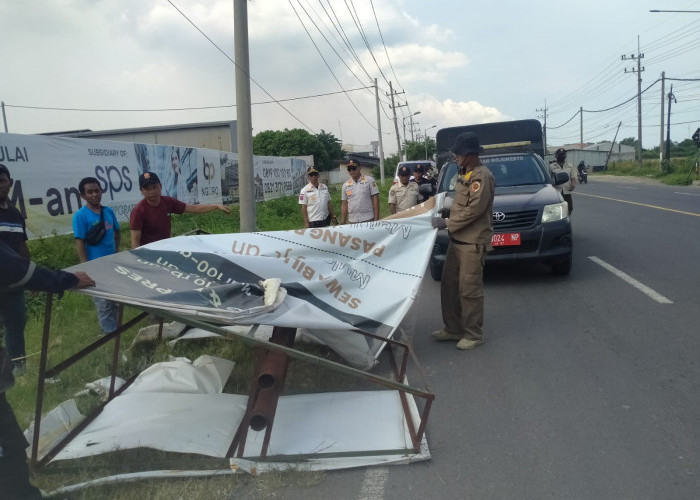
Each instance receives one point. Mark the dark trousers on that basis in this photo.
(14, 318)
(319, 223)
(14, 473)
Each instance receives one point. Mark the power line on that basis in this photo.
(326, 62)
(237, 66)
(182, 109)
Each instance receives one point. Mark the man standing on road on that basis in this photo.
(469, 222)
(360, 198)
(403, 194)
(150, 217)
(16, 273)
(561, 165)
(315, 201)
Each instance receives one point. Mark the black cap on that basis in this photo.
(147, 178)
(467, 143)
(311, 170)
(404, 171)
(560, 151)
(418, 168)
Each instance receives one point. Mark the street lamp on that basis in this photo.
(404, 131)
(425, 139)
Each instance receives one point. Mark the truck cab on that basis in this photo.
(530, 218)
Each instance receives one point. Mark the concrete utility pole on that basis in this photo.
(403, 122)
(671, 95)
(580, 127)
(396, 121)
(544, 127)
(4, 120)
(413, 137)
(246, 182)
(425, 139)
(661, 140)
(639, 56)
(379, 131)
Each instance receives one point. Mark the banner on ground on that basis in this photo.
(340, 278)
(47, 170)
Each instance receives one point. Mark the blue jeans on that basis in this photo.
(14, 318)
(106, 314)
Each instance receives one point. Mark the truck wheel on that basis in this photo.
(435, 271)
(562, 267)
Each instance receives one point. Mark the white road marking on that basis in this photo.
(686, 194)
(374, 483)
(629, 279)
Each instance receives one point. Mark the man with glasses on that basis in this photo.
(470, 225)
(360, 197)
(403, 194)
(315, 201)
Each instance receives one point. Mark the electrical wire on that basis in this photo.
(182, 109)
(237, 66)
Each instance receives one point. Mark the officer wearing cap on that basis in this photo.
(403, 194)
(360, 197)
(420, 181)
(315, 201)
(150, 218)
(560, 165)
(469, 222)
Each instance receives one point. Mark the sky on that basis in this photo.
(136, 63)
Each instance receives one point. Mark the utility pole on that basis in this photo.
(671, 95)
(396, 123)
(661, 140)
(580, 126)
(4, 119)
(244, 125)
(544, 128)
(638, 57)
(379, 131)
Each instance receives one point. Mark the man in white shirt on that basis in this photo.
(315, 201)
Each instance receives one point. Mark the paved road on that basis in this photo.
(587, 386)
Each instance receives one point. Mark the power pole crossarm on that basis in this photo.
(638, 57)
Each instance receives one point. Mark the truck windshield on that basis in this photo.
(507, 170)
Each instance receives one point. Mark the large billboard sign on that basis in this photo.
(47, 170)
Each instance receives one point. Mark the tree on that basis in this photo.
(629, 141)
(324, 147)
(416, 150)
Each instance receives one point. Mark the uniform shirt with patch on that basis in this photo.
(316, 200)
(359, 197)
(569, 169)
(471, 214)
(404, 196)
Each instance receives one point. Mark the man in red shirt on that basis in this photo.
(150, 217)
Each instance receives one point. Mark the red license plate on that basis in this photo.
(505, 239)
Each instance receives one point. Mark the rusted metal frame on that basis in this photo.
(416, 435)
(284, 336)
(93, 346)
(82, 425)
(42, 375)
(115, 353)
(390, 343)
(308, 358)
(264, 394)
(239, 439)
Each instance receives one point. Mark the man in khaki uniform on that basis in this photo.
(561, 166)
(469, 222)
(360, 197)
(403, 194)
(315, 201)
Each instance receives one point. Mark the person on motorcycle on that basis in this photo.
(582, 173)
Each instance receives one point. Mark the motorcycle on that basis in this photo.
(582, 176)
